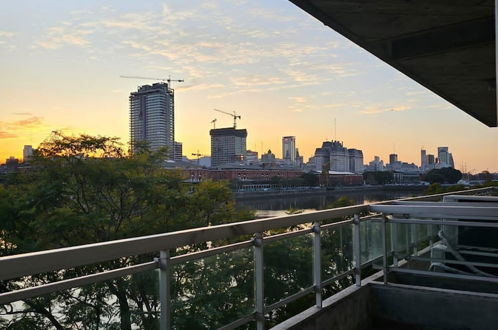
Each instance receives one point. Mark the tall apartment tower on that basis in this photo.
(152, 117)
(228, 145)
(289, 149)
(27, 153)
(442, 155)
(393, 158)
(423, 159)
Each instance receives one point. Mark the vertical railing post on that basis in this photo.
(357, 249)
(259, 295)
(385, 247)
(414, 235)
(317, 264)
(394, 243)
(164, 290)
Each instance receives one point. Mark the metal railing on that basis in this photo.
(456, 211)
(12, 267)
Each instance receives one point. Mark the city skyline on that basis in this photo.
(280, 69)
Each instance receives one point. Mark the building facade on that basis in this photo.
(152, 117)
(289, 149)
(338, 158)
(228, 145)
(178, 151)
(27, 153)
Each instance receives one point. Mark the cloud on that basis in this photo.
(6, 34)
(11, 129)
(381, 109)
(59, 36)
(297, 99)
(7, 135)
(28, 123)
(22, 113)
(256, 80)
(198, 87)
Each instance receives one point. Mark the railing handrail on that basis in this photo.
(440, 211)
(56, 259)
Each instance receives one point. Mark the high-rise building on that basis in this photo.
(27, 152)
(442, 155)
(393, 158)
(289, 149)
(178, 151)
(431, 160)
(423, 159)
(451, 162)
(228, 145)
(152, 117)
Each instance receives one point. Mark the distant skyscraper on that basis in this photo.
(228, 145)
(451, 161)
(27, 152)
(393, 158)
(152, 117)
(289, 149)
(178, 151)
(431, 160)
(442, 155)
(423, 159)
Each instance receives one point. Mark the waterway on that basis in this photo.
(277, 206)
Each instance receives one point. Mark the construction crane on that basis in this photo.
(169, 80)
(214, 123)
(198, 155)
(234, 115)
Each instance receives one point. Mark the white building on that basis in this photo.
(152, 117)
(289, 149)
(339, 158)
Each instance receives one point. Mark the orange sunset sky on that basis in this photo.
(280, 69)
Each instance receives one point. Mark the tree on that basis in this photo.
(86, 189)
(378, 177)
(310, 179)
(443, 175)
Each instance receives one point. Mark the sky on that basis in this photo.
(282, 70)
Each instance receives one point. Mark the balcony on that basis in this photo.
(379, 266)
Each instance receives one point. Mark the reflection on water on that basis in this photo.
(271, 207)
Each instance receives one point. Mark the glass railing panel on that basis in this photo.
(212, 292)
(372, 245)
(337, 250)
(126, 302)
(287, 267)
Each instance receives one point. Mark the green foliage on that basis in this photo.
(378, 177)
(310, 179)
(86, 189)
(443, 175)
(436, 188)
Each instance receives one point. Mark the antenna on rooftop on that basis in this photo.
(335, 129)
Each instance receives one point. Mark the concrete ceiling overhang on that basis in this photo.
(447, 46)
